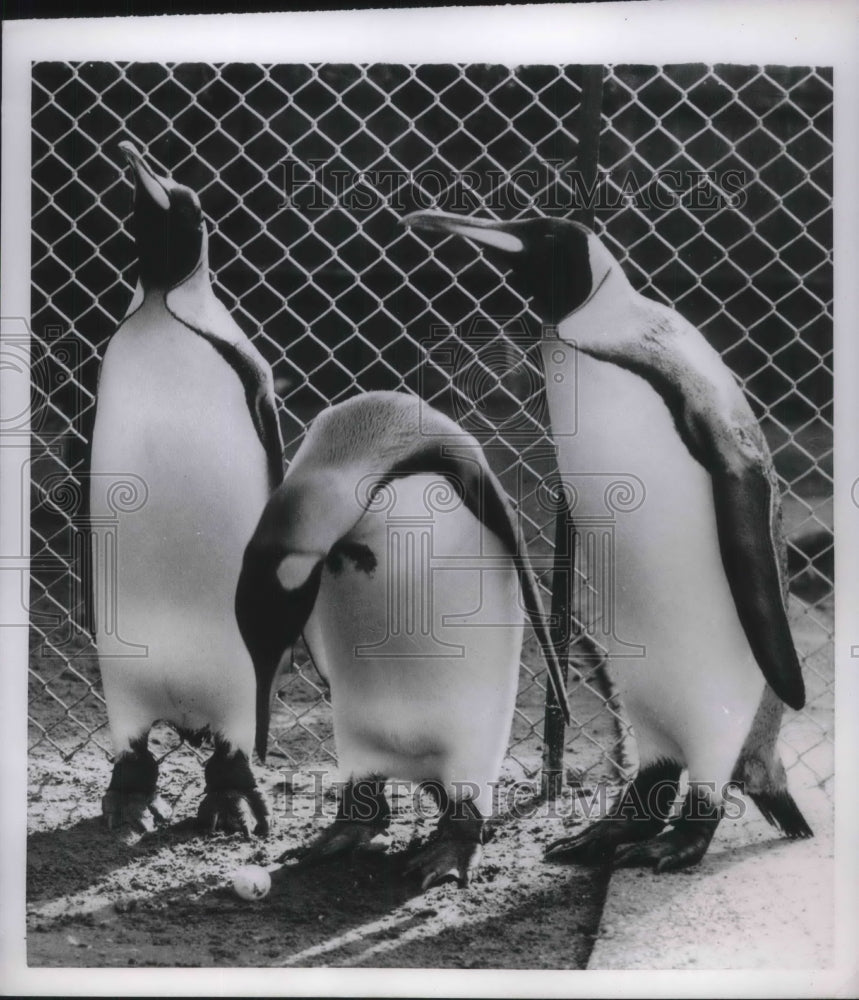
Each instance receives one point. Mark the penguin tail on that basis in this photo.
(780, 810)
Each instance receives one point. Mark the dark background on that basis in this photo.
(757, 279)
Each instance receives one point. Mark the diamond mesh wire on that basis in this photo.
(714, 191)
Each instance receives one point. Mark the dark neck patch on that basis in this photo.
(553, 268)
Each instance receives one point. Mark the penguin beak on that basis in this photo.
(557, 264)
(487, 232)
(147, 180)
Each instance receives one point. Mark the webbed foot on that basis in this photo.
(597, 843)
(341, 837)
(131, 815)
(640, 814)
(232, 803)
(685, 843)
(445, 860)
(363, 818)
(131, 806)
(455, 851)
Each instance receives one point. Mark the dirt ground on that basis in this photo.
(168, 902)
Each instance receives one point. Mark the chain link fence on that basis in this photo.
(714, 190)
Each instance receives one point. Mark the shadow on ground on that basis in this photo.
(168, 902)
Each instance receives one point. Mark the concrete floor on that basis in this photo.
(756, 901)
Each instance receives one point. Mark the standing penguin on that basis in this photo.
(696, 626)
(392, 547)
(185, 405)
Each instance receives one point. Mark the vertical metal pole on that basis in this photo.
(562, 587)
(587, 163)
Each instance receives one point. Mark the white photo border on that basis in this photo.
(805, 32)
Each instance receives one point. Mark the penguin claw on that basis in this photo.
(589, 847)
(446, 860)
(131, 816)
(232, 811)
(341, 837)
(597, 843)
(666, 853)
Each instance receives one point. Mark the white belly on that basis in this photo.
(172, 420)
(663, 607)
(423, 654)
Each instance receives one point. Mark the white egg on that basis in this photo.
(251, 882)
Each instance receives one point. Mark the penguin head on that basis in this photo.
(167, 223)
(271, 612)
(278, 583)
(556, 263)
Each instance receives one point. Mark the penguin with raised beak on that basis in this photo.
(185, 405)
(695, 623)
(392, 547)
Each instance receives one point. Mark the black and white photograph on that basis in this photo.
(420, 501)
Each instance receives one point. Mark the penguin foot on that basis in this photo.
(232, 802)
(363, 818)
(672, 851)
(343, 836)
(445, 860)
(640, 814)
(596, 844)
(456, 849)
(131, 815)
(685, 843)
(232, 811)
(131, 807)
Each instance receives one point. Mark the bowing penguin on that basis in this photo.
(392, 547)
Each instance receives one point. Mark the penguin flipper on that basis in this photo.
(717, 425)
(196, 305)
(744, 503)
(485, 497)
